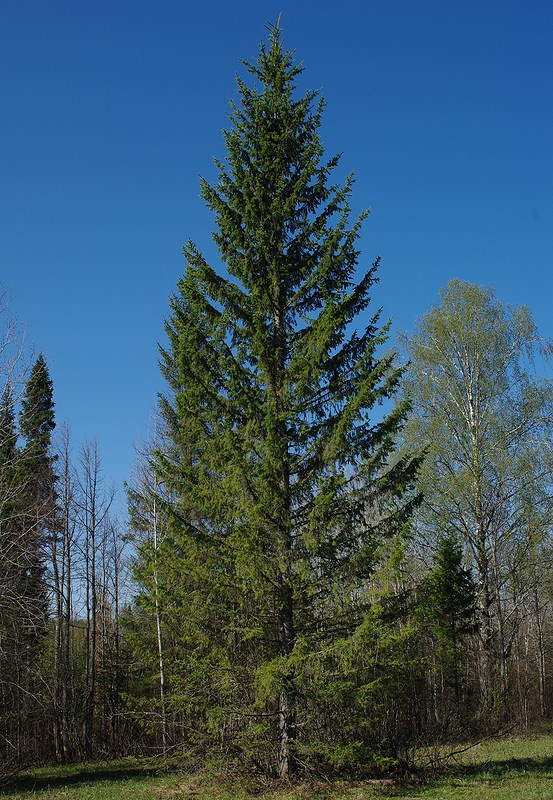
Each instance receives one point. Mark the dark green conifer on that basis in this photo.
(279, 466)
(450, 594)
(36, 420)
(38, 480)
(449, 603)
(27, 520)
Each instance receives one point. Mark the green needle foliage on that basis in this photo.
(449, 595)
(448, 602)
(281, 485)
(27, 523)
(36, 422)
(37, 410)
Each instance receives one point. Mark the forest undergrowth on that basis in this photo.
(502, 769)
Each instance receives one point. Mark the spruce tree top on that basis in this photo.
(37, 409)
(273, 205)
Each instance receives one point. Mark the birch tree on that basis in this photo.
(485, 417)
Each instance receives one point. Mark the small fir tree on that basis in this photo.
(449, 595)
(447, 603)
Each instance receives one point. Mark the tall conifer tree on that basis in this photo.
(37, 410)
(26, 520)
(279, 473)
(36, 422)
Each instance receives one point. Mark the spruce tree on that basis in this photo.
(279, 471)
(38, 479)
(27, 503)
(37, 411)
(450, 594)
(448, 600)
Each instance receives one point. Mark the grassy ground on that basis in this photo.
(514, 769)
(126, 779)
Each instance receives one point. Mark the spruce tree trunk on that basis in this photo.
(286, 700)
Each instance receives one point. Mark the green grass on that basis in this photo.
(512, 769)
(125, 779)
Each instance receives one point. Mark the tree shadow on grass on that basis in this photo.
(494, 770)
(497, 769)
(89, 774)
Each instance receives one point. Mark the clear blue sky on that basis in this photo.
(111, 110)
